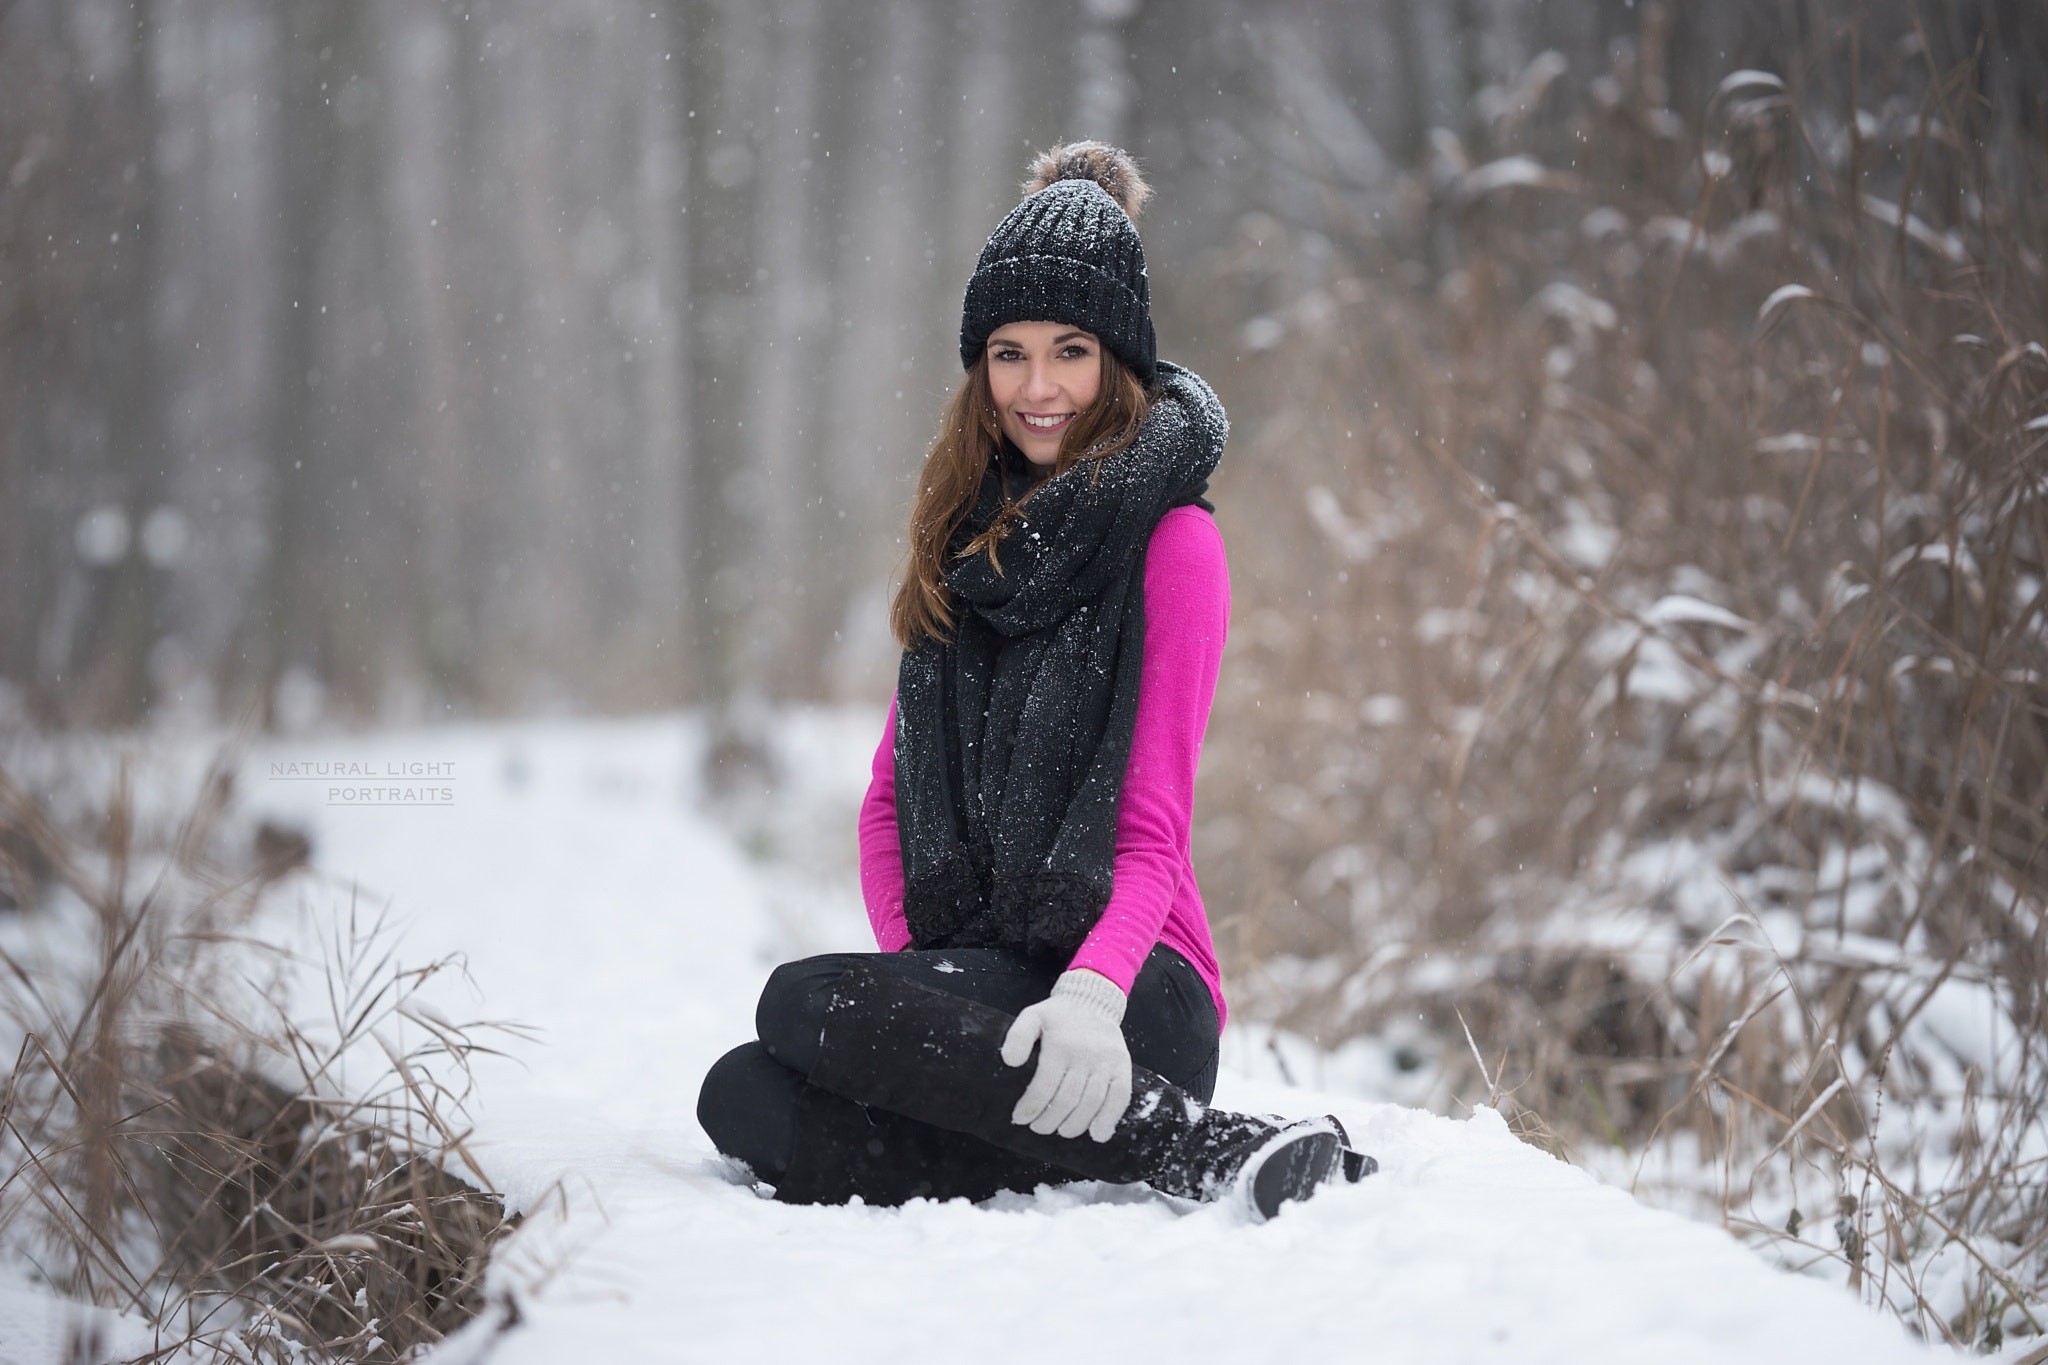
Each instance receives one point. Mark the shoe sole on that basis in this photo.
(1357, 1165)
(1293, 1171)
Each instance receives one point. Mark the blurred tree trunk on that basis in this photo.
(225, 269)
(984, 161)
(118, 690)
(785, 361)
(25, 94)
(836, 186)
(56, 163)
(415, 139)
(489, 293)
(1411, 117)
(725, 75)
(660, 343)
(1104, 93)
(553, 498)
(311, 35)
(374, 589)
(886, 377)
(1468, 39)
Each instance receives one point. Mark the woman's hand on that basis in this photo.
(1083, 1081)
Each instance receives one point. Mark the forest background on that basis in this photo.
(1638, 688)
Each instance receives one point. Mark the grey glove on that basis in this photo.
(1083, 1081)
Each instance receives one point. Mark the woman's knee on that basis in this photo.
(791, 1012)
(747, 1108)
(721, 1099)
(1170, 1023)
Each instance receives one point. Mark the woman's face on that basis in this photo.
(1041, 377)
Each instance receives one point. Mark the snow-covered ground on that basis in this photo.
(595, 902)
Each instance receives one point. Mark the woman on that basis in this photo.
(1046, 1003)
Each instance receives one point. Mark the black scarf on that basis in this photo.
(1012, 738)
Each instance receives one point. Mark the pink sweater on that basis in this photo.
(1153, 896)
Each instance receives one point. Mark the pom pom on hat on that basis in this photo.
(1110, 167)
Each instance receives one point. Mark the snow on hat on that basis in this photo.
(1068, 253)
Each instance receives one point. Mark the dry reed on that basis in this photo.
(1645, 662)
(179, 1142)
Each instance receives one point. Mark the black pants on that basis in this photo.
(758, 1105)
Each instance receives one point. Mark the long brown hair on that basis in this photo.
(969, 435)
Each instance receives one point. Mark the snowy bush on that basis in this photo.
(237, 1152)
(1653, 698)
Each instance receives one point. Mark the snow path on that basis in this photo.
(593, 903)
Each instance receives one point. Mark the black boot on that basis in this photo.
(900, 1046)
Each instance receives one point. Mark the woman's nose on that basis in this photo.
(1038, 382)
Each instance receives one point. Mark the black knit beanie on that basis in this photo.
(1068, 254)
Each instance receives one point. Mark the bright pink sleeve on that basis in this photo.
(1187, 615)
(881, 852)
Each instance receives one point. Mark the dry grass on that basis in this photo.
(1645, 660)
(182, 1142)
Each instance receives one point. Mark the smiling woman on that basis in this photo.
(1046, 1002)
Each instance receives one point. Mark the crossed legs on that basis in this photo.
(759, 1106)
